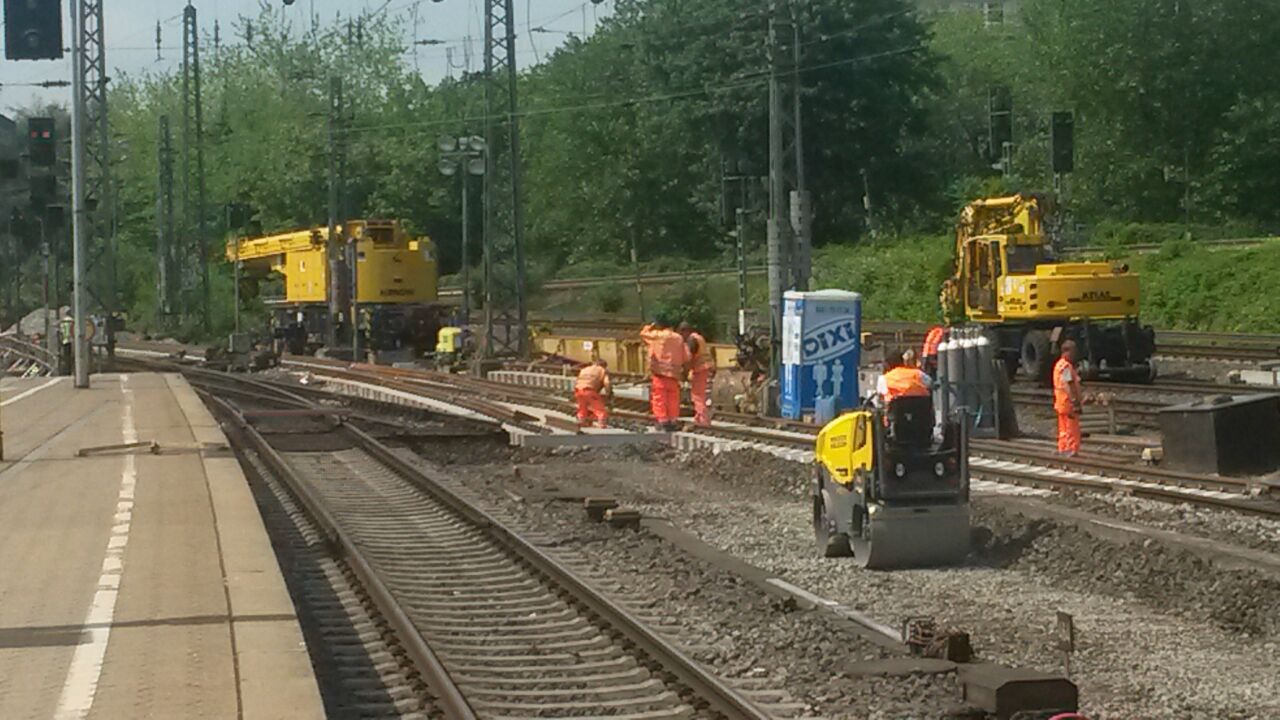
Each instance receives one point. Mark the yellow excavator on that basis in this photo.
(1007, 279)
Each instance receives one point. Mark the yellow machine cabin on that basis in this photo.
(391, 266)
(1007, 271)
(1007, 278)
(394, 315)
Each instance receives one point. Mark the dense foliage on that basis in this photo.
(1177, 124)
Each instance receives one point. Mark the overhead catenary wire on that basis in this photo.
(755, 79)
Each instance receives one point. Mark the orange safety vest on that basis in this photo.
(667, 352)
(701, 359)
(932, 341)
(904, 382)
(1062, 389)
(592, 377)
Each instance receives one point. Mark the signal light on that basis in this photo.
(1062, 132)
(33, 29)
(42, 141)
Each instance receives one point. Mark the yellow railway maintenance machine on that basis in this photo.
(889, 490)
(396, 288)
(1007, 280)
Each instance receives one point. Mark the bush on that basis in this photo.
(688, 302)
(607, 298)
(1186, 287)
(899, 278)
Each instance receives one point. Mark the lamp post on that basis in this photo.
(457, 154)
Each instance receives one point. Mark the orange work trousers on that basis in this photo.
(700, 385)
(591, 404)
(1068, 433)
(664, 399)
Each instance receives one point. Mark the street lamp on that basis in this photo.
(467, 154)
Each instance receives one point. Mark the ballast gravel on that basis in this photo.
(1160, 634)
(750, 638)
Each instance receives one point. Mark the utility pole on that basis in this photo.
(193, 136)
(92, 233)
(167, 270)
(466, 248)
(789, 206)
(336, 276)
(505, 315)
(635, 266)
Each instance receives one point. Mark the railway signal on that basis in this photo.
(1062, 139)
(42, 141)
(33, 29)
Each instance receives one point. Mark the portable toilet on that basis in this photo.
(821, 349)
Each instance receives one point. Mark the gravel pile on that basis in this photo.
(1160, 634)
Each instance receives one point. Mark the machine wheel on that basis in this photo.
(861, 536)
(830, 544)
(1037, 362)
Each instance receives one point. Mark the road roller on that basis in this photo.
(891, 487)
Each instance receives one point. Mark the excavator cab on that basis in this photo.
(890, 489)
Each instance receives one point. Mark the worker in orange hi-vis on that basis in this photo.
(668, 356)
(1067, 400)
(590, 389)
(902, 379)
(702, 368)
(929, 352)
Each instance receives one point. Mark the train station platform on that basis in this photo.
(137, 582)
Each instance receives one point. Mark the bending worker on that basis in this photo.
(668, 356)
(702, 367)
(901, 380)
(1067, 400)
(593, 384)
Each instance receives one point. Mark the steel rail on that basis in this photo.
(711, 690)
(1028, 477)
(446, 692)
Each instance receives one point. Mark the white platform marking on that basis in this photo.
(32, 391)
(81, 685)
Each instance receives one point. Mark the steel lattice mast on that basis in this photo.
(505, 315)
(92, 205)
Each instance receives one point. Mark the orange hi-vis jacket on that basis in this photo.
(592, 377)
(932, 341)
(667, 352)
(701, 358)
(1066, 384)
(904, 382)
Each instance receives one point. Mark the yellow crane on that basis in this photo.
(1007, 278)
(395, 286)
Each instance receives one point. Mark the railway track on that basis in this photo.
(1022, 462)
(496, 625)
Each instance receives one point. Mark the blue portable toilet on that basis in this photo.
(821, 349)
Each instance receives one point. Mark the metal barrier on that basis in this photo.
(16, 346)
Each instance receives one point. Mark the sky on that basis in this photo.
(131, 35)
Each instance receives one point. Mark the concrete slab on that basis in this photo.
(137, 585)
(899, 667)
(588, 440)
